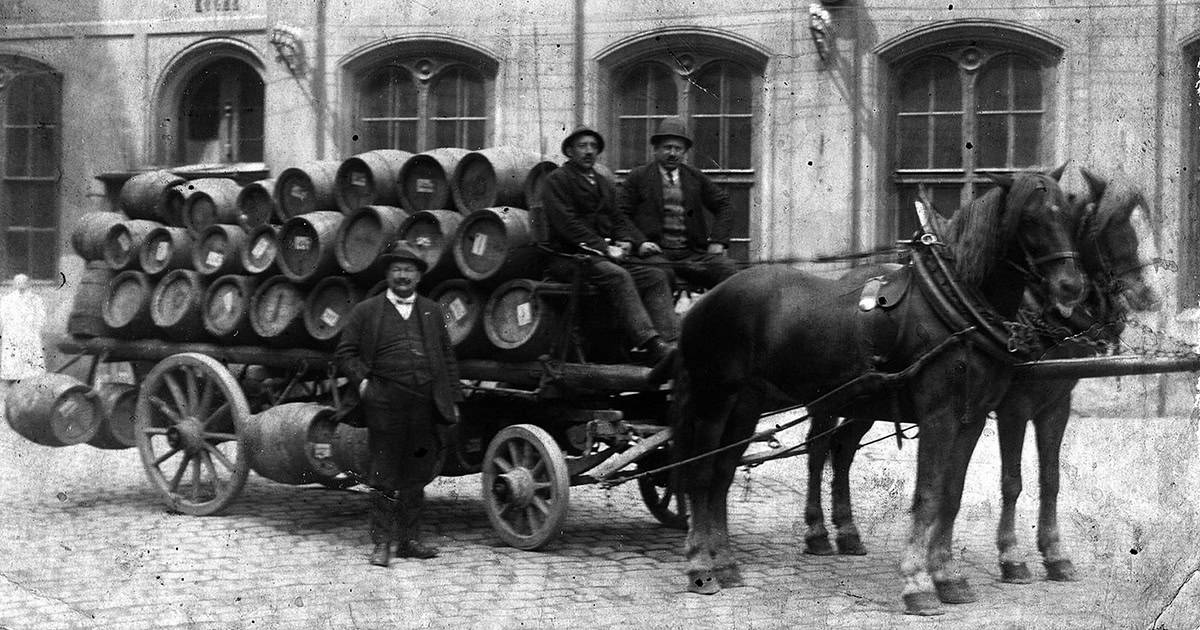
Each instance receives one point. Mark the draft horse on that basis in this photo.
(1108, 253)
(773, 333)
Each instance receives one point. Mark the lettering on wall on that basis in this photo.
(213, 6)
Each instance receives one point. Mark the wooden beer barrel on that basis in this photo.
(123, 243)
(492, 177)
(127, 306)
(217, 251)
(176, 305)
(462, 303)
(351, 452)
(277, 313)
(535, 182)
(144, 196)
(369, 179)
(306, 246)
(363, 235)
(522, 319)
(293, 443)
(260, 249)
(425, 179)
(53, 409)
(87, 307)
(226, 309)
(213, 200)
(431, 232)
(166, 248)
(326, 308)
(496, 244)
(256, 204)
(118, 404)
(90, 231)
(306, 188)
(174, 200)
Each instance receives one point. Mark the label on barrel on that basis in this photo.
(299, 192)
(260, 247)
(330, 317)
(358, 179)
(524, 314)
(423, 242)
(457, 309)
(301, 243)
(425, 186)
(160, 254)
(123, 241)
(480, 244)
(214, 259)
(322, 451)
(227, 300)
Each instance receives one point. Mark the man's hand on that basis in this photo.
(716, 248)
(615, 252)
(649, 249)
(362, 388)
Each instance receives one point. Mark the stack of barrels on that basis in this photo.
(281, 262)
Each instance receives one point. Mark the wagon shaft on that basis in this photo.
(1096, 367)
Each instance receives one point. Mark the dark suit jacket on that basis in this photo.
(640, 199)
(355, 352)
(579, 213)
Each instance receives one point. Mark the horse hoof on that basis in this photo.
(703, 582)
(1015, 573)
(729, 577)
(818, 546)
(1060, 571)
(851, 545)
(923, 604)
(955, 591)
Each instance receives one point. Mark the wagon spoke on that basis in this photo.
(195, 479)
(206, 397)
(503, 464)
(514, 454)
(224, 437)
(193, 391)
(168, 455)
(216, 452)
(212, 469)
(165, 409)
(541, 505)
(154, 431)
(539, 468)
(219, 411)
(176, 392)
(542, 485)
(531, 516)
(183, 466)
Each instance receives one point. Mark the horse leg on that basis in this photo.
(845, 446)
(920, 597)
(1010, 429)
(1049, 431)
(820, 439)
(742, 422)
(952, 586)
(701, 428)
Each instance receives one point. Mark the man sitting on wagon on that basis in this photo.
(667, 201)
(581, 212)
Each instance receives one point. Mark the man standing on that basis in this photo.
(582, 216)
(667, 200)
(397, 355)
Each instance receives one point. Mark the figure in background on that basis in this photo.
(397, 355)
(667, 201)
(22, 315)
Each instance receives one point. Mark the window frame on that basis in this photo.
(230, 123)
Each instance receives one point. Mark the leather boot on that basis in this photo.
(381, 555)
(416, 549)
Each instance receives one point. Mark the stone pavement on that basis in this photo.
(85, 543)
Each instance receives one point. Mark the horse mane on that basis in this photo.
(980, 232)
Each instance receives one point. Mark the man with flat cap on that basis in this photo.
(396, 352)
(581, 212)
(667, 200)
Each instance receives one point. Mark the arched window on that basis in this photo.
(31, 104)
(714, 93)
(416, 103)
(962, 109)
(220, 114)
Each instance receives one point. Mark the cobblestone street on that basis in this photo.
(86, 544)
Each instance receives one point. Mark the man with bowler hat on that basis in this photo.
(581, 212)
(396, 353)
(667, 200)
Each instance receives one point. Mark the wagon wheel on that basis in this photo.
(660, 492)
(526, 486)
(189, 432)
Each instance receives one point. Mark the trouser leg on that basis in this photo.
(702, 269)
(383, 516)
(619, 288)
(410, 504)
(654, 286)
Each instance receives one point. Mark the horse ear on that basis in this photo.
(1003, 181)
(1094, 182)
(1058, 172)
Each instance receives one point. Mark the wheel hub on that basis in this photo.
(514, 487)
(187, 435)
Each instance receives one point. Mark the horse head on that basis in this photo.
(1037, 225)
(1108, 243)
